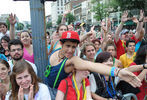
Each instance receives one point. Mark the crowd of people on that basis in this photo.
(83, 65)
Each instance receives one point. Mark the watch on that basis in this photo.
(144, 66)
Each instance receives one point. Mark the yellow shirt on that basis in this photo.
(126, 61)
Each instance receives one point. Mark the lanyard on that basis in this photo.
(77, 90)
(107, 87)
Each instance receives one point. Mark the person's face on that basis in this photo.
(109, 37)
(111, 50)
(3, 28)
(69, 48)
(90, 52)
(82, 74)
(109, 62)
(70, 27)
(4, 44)
(97, 45)
(131, 47)
(126, 36)
(62, 29)
(48, 39)
(3, 71)
(130, 34)
(25, 38)
(24, 79)
(16, 52)
(92, 37)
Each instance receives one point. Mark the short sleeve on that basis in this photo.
(87, 82)
(62, 86)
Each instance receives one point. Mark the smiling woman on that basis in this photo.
(26, 85)
(4, 79)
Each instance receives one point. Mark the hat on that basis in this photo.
(124, 31)
(70, 35)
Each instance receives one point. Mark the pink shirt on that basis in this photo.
(27, 56)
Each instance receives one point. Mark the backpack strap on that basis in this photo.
(66, 89)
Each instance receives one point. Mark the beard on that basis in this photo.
(17, 58)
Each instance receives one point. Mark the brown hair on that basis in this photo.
(5, 63)
(103, 57)
(83, 48)
(18, 68)
(60, 26)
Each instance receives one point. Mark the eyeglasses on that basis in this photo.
(13, 50)
(131, 45)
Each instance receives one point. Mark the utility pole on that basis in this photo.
(39, 36)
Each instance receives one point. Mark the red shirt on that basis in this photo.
(120, 46)
(141, 94)
(71, 93)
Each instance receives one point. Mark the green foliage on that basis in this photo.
(28, 26)
(59, 19)
(8, 23)
(48, 25)
(70, 18)
(19, 26)
(99, 9)
(103, 9)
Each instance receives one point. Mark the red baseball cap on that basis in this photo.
(67, 35)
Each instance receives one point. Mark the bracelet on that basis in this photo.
(144, 66)
(118, 72)
(112, 71)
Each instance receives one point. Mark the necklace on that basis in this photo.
(60, 56)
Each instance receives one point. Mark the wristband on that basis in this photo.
(118, 72)
(144, 66)
(112, 71)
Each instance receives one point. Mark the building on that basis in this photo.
(57, 9)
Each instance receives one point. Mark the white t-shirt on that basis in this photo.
(1, 34)
(33, 65)
(42, 94)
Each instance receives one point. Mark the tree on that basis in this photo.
(70, 18)
(102, 9)
(8, 24)
(28, 26)
(59, 19)
(48, 25)
(19, 26)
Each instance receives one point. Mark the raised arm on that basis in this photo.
(136, 68)
(119, 28)
(124, 74)
(139, 27)
(12, 20)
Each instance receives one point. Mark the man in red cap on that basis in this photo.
(62, 62)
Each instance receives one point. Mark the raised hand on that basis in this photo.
(135, 20)
(12, 19)
(141, 16)
(20, 94)
(31, 92)
(129, 77)
(124, 17)
(108, 24)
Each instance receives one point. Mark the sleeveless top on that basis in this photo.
(54, 71)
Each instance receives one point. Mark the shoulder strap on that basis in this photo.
(59, 72)
(66, 89)
(55, 44)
